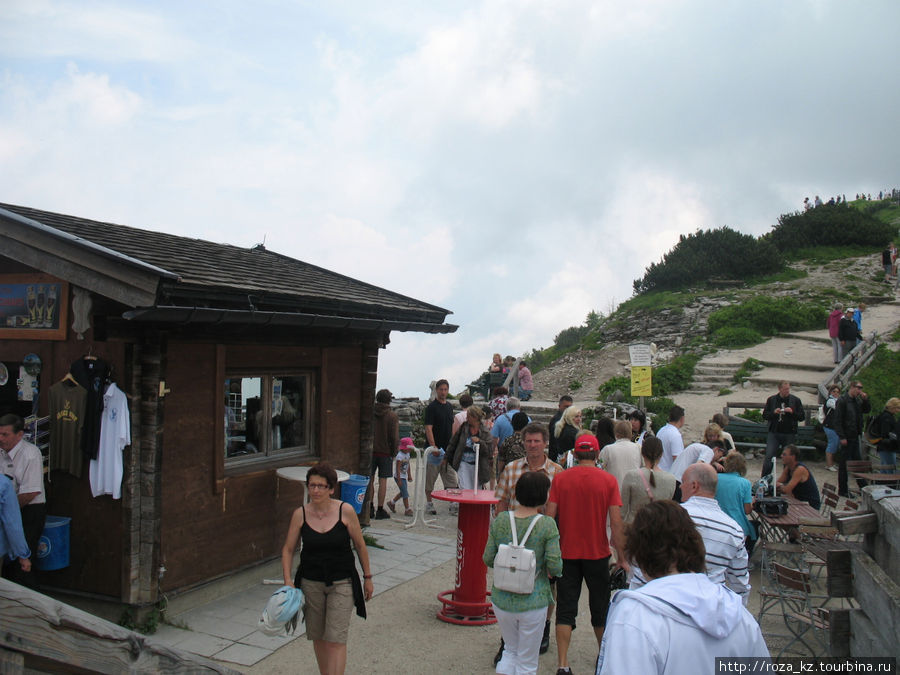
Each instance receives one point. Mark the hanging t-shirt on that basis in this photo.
(67, 404)
(115, 434)
(91, 373)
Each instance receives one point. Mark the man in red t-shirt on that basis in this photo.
(581, 498)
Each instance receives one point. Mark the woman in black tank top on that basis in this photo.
(327, 571)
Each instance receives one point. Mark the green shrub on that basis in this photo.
(880, 377)
(753, 415)
(747, 368)
(676, 375)
(733, 337)
(829, 225)
(570, 337)
(575, 385)
(769, 316)
(708, 254)
(673, 377)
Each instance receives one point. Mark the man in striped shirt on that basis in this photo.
(726, 555)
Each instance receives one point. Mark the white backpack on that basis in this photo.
(515, 566)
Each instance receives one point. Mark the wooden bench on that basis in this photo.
(750, 435)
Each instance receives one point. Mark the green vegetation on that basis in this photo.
(710, 254)
(830, 225)
(149, 624)
(673, 377)
(725, 391)
(655, 301)
(822, 255)
(765, 316)
(575, 385)
(880, 377)
(371, 541)
(747, 368)
(752, 415)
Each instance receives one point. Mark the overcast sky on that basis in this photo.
(517, 162)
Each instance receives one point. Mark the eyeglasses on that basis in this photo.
(318, 486)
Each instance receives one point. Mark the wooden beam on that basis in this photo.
(35, 625)
(855, 523)
(840, 573)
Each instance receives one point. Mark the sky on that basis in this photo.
(516, 162)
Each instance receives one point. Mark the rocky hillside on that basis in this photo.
(673, 327)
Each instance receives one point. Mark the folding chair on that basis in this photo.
(861, 466)
(770, 553)
(807, 624)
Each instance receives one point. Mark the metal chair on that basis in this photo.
(807, 623)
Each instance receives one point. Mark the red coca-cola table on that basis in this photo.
(467, 605)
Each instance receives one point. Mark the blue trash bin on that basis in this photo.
(353, 491)
(53, 546)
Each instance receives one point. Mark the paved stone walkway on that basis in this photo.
(225, 628)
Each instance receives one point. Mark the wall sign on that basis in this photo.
(33, 307)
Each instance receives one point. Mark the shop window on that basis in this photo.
(266, 416)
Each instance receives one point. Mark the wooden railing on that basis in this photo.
(41, 634)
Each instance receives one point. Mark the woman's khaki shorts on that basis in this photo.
(327, 609)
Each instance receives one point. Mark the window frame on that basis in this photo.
(267, 457)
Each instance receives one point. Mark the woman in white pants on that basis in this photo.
(521, 616)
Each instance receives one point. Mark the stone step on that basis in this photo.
(813, 367)
(716, 369)
(712, 378)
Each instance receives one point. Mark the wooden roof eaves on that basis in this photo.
(74, 260)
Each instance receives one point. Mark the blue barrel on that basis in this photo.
(53, 546)
(353, 491)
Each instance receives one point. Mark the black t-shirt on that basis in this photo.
(440, 417)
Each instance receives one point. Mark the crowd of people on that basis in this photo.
(669, 518)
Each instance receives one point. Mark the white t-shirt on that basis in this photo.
(673, 444)
(401, 465)
(695, 452)
(115, 434)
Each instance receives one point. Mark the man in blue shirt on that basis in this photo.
(12, 537)
(502, 428)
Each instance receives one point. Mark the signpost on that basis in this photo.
(641, 373)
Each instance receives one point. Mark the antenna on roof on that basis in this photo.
(262, 246)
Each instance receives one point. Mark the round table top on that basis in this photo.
(485, 497)
(298, 473)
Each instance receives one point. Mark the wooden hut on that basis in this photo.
(235, 361)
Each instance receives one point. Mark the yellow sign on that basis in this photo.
(641, 381)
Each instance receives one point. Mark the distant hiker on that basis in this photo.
(783, 411)
(498, 403)
(834, 324)
(848, 333)
(526, 383)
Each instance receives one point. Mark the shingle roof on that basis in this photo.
(206, 269)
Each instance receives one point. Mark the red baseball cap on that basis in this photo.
(587, 443)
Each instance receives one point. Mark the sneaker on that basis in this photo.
(409, 512)
(564, 671)
(832, 468)
(499, 654)
(391, 506)
(545, 639)
(381, 514)
(372, 511)
(454, 509)
(429, 508)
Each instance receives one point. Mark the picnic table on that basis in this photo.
(778, 528)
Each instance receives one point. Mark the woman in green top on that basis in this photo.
(521, 616)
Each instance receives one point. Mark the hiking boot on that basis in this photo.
(381, 514)
(545, 639)
(499, 654)
(409, 512)
(429, 508)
